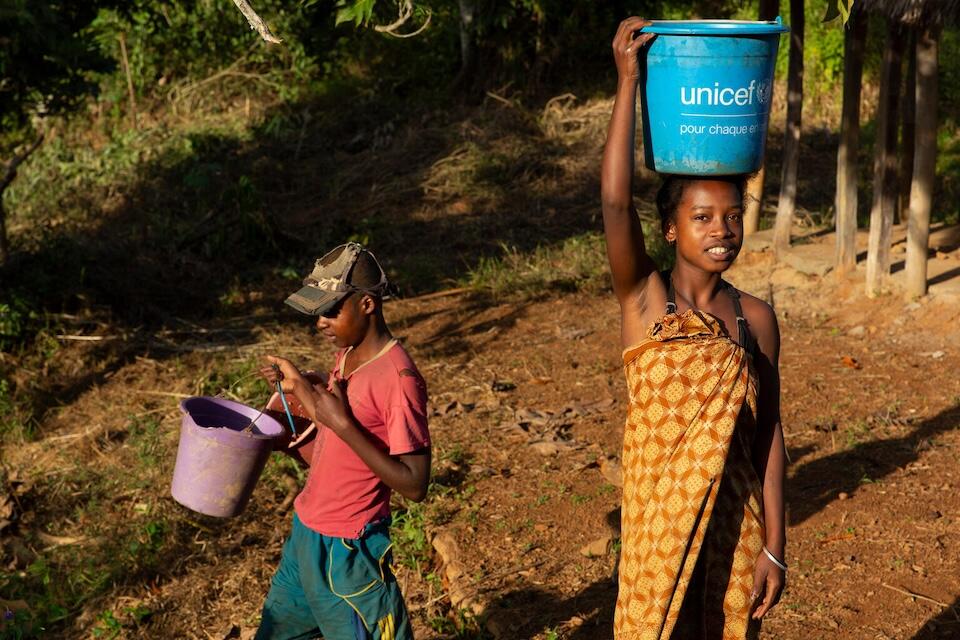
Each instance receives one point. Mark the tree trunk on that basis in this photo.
(845, 203)
(8, 176)
(885, 163)
(753, 201)
(126, 71)
(924, 162)
(908, 104)
(769, 9)
(791, 143)
(4, 241)
(468, 44)
(753, 205)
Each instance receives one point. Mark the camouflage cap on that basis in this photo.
(331, 281)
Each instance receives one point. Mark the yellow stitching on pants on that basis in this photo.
(387, 628)
(352, 595)
(383, 578)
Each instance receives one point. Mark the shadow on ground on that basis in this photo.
(819, 482)
(228, 227)
(524, 613)
(945, 625)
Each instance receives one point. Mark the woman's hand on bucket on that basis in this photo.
(626, 47)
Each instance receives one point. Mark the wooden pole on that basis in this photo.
(768, 9)
(753, 201)
(845, 203)
(466, 76)
(753, 205)
(791, 144)
(126, 71)
(885, 163)
(924, 162)
(908, 105)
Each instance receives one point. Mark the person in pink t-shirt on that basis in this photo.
(367, 436)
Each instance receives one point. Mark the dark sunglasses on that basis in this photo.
(334, 311)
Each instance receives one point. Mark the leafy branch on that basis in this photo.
(838, 9)
(360, 12)
(256, 22)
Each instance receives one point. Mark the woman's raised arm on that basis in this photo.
(630, 265)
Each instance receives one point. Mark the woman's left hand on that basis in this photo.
(768, 583)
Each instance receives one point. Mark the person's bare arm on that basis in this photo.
(769, 455)
(630, 265)
(408, 474)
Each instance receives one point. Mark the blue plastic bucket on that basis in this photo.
(706, 87)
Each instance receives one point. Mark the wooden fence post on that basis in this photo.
(908, 107)
(924, 162)
(845, 203)
(753, 206)
(787, 203)
(885, 163)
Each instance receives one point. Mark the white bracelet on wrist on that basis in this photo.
(774, 559)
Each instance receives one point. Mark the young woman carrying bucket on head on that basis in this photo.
(703, 456)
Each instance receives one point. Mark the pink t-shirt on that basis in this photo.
(388, 398)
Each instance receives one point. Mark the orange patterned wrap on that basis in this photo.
(692, 516)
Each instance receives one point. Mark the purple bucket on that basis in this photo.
(218, 464)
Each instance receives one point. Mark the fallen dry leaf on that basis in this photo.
(851, 362)
(59, 541)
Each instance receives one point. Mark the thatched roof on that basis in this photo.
(915, 12)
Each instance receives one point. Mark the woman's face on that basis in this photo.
(708, 225)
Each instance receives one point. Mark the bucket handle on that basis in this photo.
(283, 399)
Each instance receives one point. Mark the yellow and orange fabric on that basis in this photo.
(692, 515)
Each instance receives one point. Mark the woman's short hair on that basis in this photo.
(671, 192)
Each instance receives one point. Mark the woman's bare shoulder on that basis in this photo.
(762, 320)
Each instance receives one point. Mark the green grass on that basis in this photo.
(577, 264)
(240, 381)
(411, 548)
(11, 424)
(145, 438)
(458, 624)
(59, 582)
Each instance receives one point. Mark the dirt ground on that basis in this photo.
(527, 402)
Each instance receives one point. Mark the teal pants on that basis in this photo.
(335, 588)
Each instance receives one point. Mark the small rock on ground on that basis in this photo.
(598, 548)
